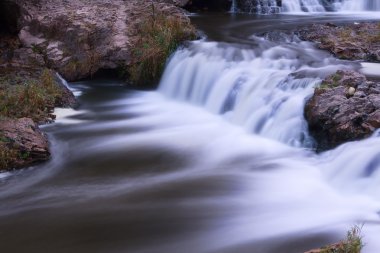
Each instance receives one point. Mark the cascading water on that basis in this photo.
(262, 91)
(359, 5)
(297, 6)
(255, 6)
(302, 5)
(234, 8)
(155, 171)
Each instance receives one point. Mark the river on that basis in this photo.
(218, 159)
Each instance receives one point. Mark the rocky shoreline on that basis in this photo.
(358, 41)
(75, 39)
(345, 107)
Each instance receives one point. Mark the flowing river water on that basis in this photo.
(217, 159)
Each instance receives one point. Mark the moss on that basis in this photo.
(331, 82)
(22, 96)
(160, 36)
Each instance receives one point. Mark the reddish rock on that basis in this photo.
(77, 38)
(351, 42)
(335, 116)
(25, 141)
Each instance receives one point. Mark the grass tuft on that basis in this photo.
(7, 155)
(161, 35)
(353, 243)
(28, 97)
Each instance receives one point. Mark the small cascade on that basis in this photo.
(359, 5)
(296, 6)
(234, 8)
(263, 91)
(63, 82)
(256, 6)
(302, 5)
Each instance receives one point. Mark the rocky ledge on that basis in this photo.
(345, 107)
(358, 41)
(78, 38)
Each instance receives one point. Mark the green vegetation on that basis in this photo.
(331, 82)
(10, 153)
(7, 154)
(161, 35)
(352, 244)
(28, 97)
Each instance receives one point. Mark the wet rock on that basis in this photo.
(22, 143)
(345, 107)
(351, 42)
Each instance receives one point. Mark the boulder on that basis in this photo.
(78, 38)
(345, 107)
(22, 142)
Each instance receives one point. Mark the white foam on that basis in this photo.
(370, 69)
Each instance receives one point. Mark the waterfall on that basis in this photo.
(296, 6)
(263, 91)
(234, 7)
(302, 5)
(256, 6)
(63, 82)
(360, 5)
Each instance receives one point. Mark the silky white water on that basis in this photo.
(359, 5)
(302, 5)
(312, 6)
(218, 160)
(264, 92)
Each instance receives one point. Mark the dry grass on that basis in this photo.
(160, 36)
(28, 97)
(7, 155)
(352, 244)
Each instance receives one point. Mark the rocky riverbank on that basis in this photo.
(346, 107)
(358, 41)
(76, 39)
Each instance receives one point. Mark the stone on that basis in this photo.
(338, 113)
(78, 38)
(351, 91)
(24, 137)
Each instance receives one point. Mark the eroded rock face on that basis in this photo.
(24, 141)
(77, 38)
(345, 107)
(352, 42)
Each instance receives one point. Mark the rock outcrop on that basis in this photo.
(345, 107)
(351, 42)
(78, 38)
(22, 144)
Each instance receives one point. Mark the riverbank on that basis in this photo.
(358, 41)
(75, 39)
(345, 107)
